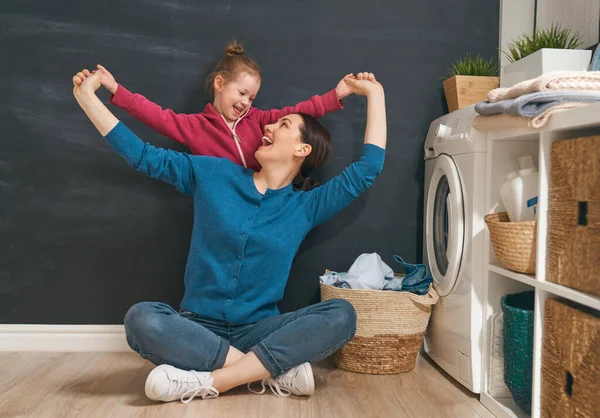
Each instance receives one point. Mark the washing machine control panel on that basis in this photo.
(443, 132)
(453, 134)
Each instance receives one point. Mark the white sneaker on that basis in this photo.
(297, 381)
(167, 383)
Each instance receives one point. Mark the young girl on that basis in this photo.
(230, 127)
(247, 229)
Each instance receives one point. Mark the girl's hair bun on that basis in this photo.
(234, 49)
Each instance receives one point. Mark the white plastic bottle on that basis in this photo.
(524, 189)
(512, 169)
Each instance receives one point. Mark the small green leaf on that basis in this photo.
(553, 37)
(474, 65)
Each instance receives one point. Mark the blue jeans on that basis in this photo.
(163, 336)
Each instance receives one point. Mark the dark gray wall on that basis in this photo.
(83, 236)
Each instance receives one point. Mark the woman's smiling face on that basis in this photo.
(281, 140)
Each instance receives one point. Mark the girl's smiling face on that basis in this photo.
(234, 98)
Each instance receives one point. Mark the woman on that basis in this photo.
(247, 229)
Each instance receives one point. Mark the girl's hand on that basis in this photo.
(107, 80)
(86, 82)
(343, 90)
(363, 84)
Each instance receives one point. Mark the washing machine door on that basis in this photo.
(445, 224)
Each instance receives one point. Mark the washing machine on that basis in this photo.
(455, 172)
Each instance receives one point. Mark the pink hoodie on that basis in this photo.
(207, 133)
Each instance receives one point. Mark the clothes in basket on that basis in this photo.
(370, 272)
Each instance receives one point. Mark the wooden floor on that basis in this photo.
(112, 385)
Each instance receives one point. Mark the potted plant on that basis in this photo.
(553, 49)
(471, 78)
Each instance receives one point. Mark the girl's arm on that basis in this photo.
(316, 106)
(179, 127)
(170, 166)
(339, 192)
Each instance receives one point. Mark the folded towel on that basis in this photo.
(541, 119)
(557, 80)
(534, 104)
(500, 122)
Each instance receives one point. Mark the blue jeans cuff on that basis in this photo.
(267, 359)
(221, 354)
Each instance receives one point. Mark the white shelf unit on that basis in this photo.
(498, 281)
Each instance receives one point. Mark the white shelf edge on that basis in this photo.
(582, 298)
(583, 117)
(568, 293)
(523, 278)
(501, 407)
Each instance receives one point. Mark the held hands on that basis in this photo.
(343, 90)
(86, 82)
(107, 80)
(363, 84)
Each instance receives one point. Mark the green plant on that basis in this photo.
(474, 65)
(554, 37)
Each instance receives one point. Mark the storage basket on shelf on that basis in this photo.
(570, 362)
(390, 328)
(514, 242)
(518, 346)
(574, 214)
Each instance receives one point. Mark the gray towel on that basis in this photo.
(534, 104)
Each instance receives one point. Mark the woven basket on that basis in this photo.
(570, 362)
(574, 214)
(518, 346)
(389, 330)
(514, 242)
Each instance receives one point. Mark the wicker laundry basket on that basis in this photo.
(389, 331)
(570, 362)
(514, 242)
(574, 214)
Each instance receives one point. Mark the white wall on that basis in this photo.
(517, 18)
(578, 15)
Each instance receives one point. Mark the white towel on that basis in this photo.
(557, 80)
(368, 272)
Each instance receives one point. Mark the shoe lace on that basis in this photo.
(192, 387)
(278, 385)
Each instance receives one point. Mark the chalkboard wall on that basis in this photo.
(83, 236)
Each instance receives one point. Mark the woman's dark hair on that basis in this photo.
(317, 136)
(231, 65)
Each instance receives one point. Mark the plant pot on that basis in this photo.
(462, 90)
(544, 61)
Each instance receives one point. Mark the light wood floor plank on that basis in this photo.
(97, 390)
(105, 385)
(42, 379)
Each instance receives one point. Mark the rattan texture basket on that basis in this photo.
(514, 242)
(389, 331)
(570, 362)
(574, 214)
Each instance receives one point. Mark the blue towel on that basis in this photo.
(534, 104)
(417, 278)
